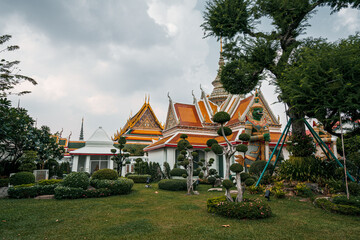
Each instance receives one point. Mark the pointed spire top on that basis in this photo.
(170, 100)
(81, 138)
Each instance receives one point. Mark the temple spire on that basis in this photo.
(81, 138)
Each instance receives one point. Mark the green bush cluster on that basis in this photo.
(352, 201)
(4, 182)
(177, 172)
(62, 192)
(326, 204)
(354, 188)
(249, 181)
(76, 180)
(302, 190)
(257, 167)
(301, 145)
(28, 191)
(49, 181)
(173, 185)
(248, 209)
(254, 190)
(105, 174)
(244, 176)
(139, 178)
(22, 178)
(116, 187)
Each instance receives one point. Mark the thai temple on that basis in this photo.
(195, 120)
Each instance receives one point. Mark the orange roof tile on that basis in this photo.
(161, 141)
(141, 138)
(232, 103)
(240, 110)
(200, 140)
(146, 132)
(187, 114)
(213, 107)
(204, 112)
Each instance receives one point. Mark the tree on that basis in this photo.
(237, 168)
(323, 81)
(27, 161)
(186, 159)
(9, 76)
(120, 158)
(252, 55)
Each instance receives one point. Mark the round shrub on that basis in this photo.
(217, 149)
(227, 131)
(211, 180)
(212, 171)
(210, 142)
(201, 175)
(173, 184)
(244, 176)
(249, 182)
(116, 187)
(76, 180)
(242, 148)
(257, 167)
(221, 117)
(177, 172)
(244, 137)
(139, 178)
(22, 178)
(227, 183)
(105, 174)
(236, 168)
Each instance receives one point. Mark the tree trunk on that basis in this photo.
(239, 197)
(298, 126)
(190, 186)
(227, 170)
(228, 196)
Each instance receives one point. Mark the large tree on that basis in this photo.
(9, 71)
(251, 54)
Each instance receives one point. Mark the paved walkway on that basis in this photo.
(3, 192)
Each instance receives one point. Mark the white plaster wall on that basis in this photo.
(170, 156)
(75, 163)
(157, 156)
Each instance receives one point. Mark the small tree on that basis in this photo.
(186, 159)
(27, 161)
(166, 170)
(120, 158)
(237, 168)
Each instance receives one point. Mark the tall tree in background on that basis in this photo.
(120, 158)
(253, 55)
(9, 71)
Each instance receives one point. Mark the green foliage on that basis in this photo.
(211, 180)
(177, 172)
(248, 209)
(139, 178)
(105, 174)
(212, 171)
(227, 131)
(257, 167)
(22, 178)
(183, 144)
(183, 136)
(221, 117)
(210, 142)
(354, 188)
(254, 190)
(31, 190)
(217, 149)
(156, 172)
(244, 137)
(236, 168)
(201, 175)
(352, 201)
(4, 182)
(242, 148)
(173, 184)
(45, 182)
(307, 169)
(278, 193)
(249, 182)
(244, 176)
(76, 180)
(116, 187)
(141, 167)
(227, 183)
(28, 161)
(301, 145)
(167, 170)
(62, 192)
(336, 208)
(302, 190)
(135, 149)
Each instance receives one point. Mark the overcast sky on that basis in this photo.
(98, 59)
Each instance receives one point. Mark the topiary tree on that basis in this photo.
(105, 174)
(120, 158)
(237, 168)
(186, 159)
(167, 170)
(227, 184)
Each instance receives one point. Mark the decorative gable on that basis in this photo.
(147, 121)
(171, 119)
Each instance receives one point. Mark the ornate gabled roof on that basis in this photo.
(145, 119)
(240, 110)
(187, 115)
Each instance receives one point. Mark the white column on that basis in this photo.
(87, 164)
(267, 151)
(111, 163)
(75, 163)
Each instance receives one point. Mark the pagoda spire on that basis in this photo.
(219, 94)
(81, 138)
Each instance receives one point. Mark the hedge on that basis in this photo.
(22, 178)
(26, 191)
(173, 184)
(248, 209)
(336, 208)
(139, 178)
(105, 174)
(116, 187)
(49, 182)
(76, 180)
(74, 193)
(177, 172)
(4, 182)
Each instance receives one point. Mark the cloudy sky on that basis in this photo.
(98, 59)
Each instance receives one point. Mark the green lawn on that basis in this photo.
(143, 214)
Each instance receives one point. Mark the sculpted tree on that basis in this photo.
(9, 71)
(252, 55)
(120, 158)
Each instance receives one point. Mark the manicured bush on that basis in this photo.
(354, 188)
(139, 178)
(257, 167)
(244, 137)
(242, 148)
(46, 189)
(227, 131)
(248, 209)
(227, 183)
(76, 180)
(249, 181)
(4, 182)
(116, 187)
(353, 201)
(211, 180)
(221, 117)
(105, 174)
(217, 149)
(22, 178)
(177, 172)
(49, 182)
(173, 184)
(326, 204)
(244, 176)
(210, 142)
(64, 192)
(23, 192)
(236, 168)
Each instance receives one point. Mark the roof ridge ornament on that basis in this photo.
(168, 94)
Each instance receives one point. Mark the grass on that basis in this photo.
(144, 214)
